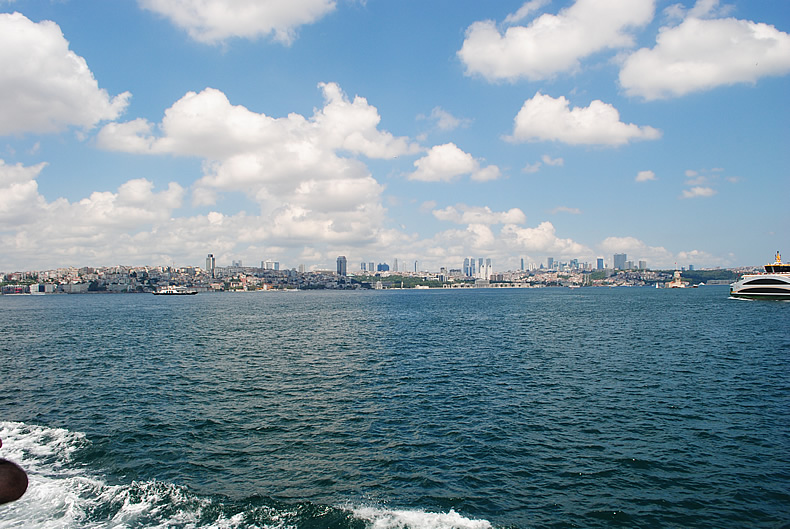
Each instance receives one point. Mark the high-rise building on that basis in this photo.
(341, 265)
(210, 263)
(301, 269)
(522, 264)
(415, 267)
(371, 266)
(599, 265)
(643, 265)
(550, 263)
(363, 266)
(395, 266)
(619, 261)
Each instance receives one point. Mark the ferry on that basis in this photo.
(174, 291)
(774, 283)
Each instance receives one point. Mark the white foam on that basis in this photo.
(380, 518)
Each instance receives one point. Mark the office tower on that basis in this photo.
(395, 266)
(550, 263)
(466, 267)
(599, 265)
(363, 266)
(301, 269)
(210, 263)
(415, 267)
(522, 264)
(371, 266)
(341, 265)
(383, 267)
(643, 265)
(619, 261)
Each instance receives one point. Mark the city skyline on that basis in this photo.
(296, 132)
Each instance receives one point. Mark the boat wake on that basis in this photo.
(64, 494)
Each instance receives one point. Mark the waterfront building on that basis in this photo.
(341, 265)
(619, 261)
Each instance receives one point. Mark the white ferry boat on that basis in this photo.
(774, 283)
(174, 291)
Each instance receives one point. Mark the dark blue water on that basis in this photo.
(480, 408)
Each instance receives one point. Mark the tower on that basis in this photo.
(210, 264)
(619, 261)
(341, 265)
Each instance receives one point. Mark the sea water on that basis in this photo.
(482, 408)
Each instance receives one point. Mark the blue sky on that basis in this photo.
(156, 132)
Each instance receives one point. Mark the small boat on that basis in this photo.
(174, 291)
(774, 283)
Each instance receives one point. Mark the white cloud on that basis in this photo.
(103, 225)
(552, 44)
(554, 162)
(463, 214)
(444, 163)
(531, 168)
(565, 209)
(524, 11)
(541, 240)
(700, 54)
(446, 121)
(44, 86)
(645, 176)
(698, 191)
(637, 250)
(213, 21)
(304, 173)
(544, 118)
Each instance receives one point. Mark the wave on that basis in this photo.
(63, 495)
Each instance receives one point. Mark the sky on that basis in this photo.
(155, 132)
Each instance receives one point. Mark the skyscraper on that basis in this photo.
(619, 261)
(210, 264)
(550, 263)
(600, 263)
(341, 265)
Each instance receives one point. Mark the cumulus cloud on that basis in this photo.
(645, 176)
(444, 163)
(552, 44)
(44, 86)
(701, 54)
(544, 118)
(464, 214)
(213, 21)
(303, 172)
